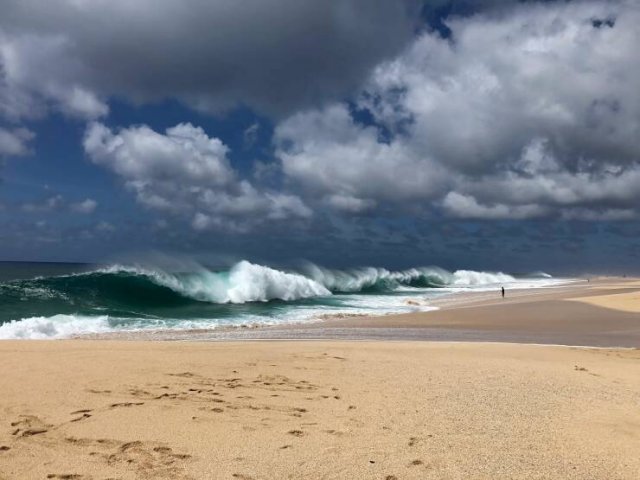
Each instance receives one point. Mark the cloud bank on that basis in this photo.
(524, 111)
(506, 111)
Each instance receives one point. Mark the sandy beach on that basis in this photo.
(103, 409)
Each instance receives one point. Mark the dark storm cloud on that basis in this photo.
(275, 56)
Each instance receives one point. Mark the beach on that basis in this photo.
(483, 408)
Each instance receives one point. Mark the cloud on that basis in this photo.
(14, 142)
(250, 135)
(184, 172)
(57, 203)
(525, 110)
(183, 154)
(105, 227)
(464, 206)
(86, 206)
(47, 205)
(328, 153)
(274, 56)
(37, 73)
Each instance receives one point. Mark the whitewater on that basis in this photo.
(126, 298)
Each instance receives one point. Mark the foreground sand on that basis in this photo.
(343, 410)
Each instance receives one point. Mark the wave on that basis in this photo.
(245, 282)
(54, 327)
(372, 279)
(55, 306)
(135, 297)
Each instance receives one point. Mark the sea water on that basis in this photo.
(47, 300)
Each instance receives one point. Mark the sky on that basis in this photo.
(491, 134)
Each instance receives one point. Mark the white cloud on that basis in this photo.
(105, 227)
(14, 142)
(185, 172)
(49, 204)
(326, 151)
(183, 153)
(86, 206)
(57, 203)
(250, 135)
(466, 206)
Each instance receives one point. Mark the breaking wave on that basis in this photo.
(137, 287)
(372, 279)
(136, 297)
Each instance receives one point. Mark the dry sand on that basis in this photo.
(330, 410)
(625, 302)
(83, 409)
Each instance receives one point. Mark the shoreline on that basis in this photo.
(568, 314)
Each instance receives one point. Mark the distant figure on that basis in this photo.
(502, 291)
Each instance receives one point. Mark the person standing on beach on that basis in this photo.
(502, 291)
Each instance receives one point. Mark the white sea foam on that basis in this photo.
(57, 326)
(469, 278)
(249, 282)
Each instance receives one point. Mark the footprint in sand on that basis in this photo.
(125, 404)
(29, 426)
(155, 462)
(183, 374)
(66, 476)
(84, 416)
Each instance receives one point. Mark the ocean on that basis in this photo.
(61, 300)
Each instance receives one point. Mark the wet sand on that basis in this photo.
(317, 410)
